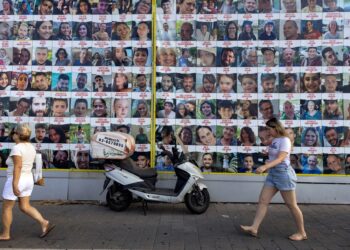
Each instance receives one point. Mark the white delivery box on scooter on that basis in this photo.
(112, 145)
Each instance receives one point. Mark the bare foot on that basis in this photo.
(298, 237)
(249, 230)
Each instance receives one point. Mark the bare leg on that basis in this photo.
(289, 198)
(264, 200)
(7, 207)
(24, 205)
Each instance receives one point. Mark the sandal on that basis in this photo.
(297, 237)
(48, 229)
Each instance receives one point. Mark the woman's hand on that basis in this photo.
(16, 189)
(261, 169)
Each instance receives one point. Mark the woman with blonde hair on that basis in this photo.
(19, 183)
(281, 177)
(121, 31)
(166, 57)
(310, 137)
(141, 110)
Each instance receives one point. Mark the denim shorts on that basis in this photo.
(284, 179)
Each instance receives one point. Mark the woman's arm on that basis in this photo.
(17, 161)
(281, 156)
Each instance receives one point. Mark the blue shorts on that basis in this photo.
(284, 179)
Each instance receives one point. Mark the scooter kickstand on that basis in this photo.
(144, 207)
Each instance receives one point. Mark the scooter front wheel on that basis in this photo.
(198, 200)
(118, 200)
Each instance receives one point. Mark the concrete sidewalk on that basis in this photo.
(94, 226)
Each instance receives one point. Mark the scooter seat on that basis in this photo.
(130, 165)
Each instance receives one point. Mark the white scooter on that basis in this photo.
(129, 180)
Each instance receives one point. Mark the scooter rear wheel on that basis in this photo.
(198, 200)
(118, 200)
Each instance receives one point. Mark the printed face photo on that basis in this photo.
(39, 106)
(80, 107)
(59, 107)
(63, 82)
(166, 83)
(121, 108)
(41, 81)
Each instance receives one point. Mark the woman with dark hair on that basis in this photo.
(97, 59)
(24, 9)
(311, 83)
(247, 137)
(205, 136)
(7, 8)
(143, 7)
(167, 135)
(22, 82)
(24, 58)
(5, 79)
(281, 178)
(181, 111)
(99, 108)
(56, 134)
(125, 6)
(58, 9)
(83, 32)
(185, 135)
(231, 31)
(207, 110)
(64, 32)
(84, 7)
(121, 83)
(247, 32)
(62, 58)
(43, 30)
(120, 57)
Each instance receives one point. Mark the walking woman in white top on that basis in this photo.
(19, 183)
(281, 177)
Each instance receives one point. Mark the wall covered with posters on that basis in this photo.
(210, 71)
